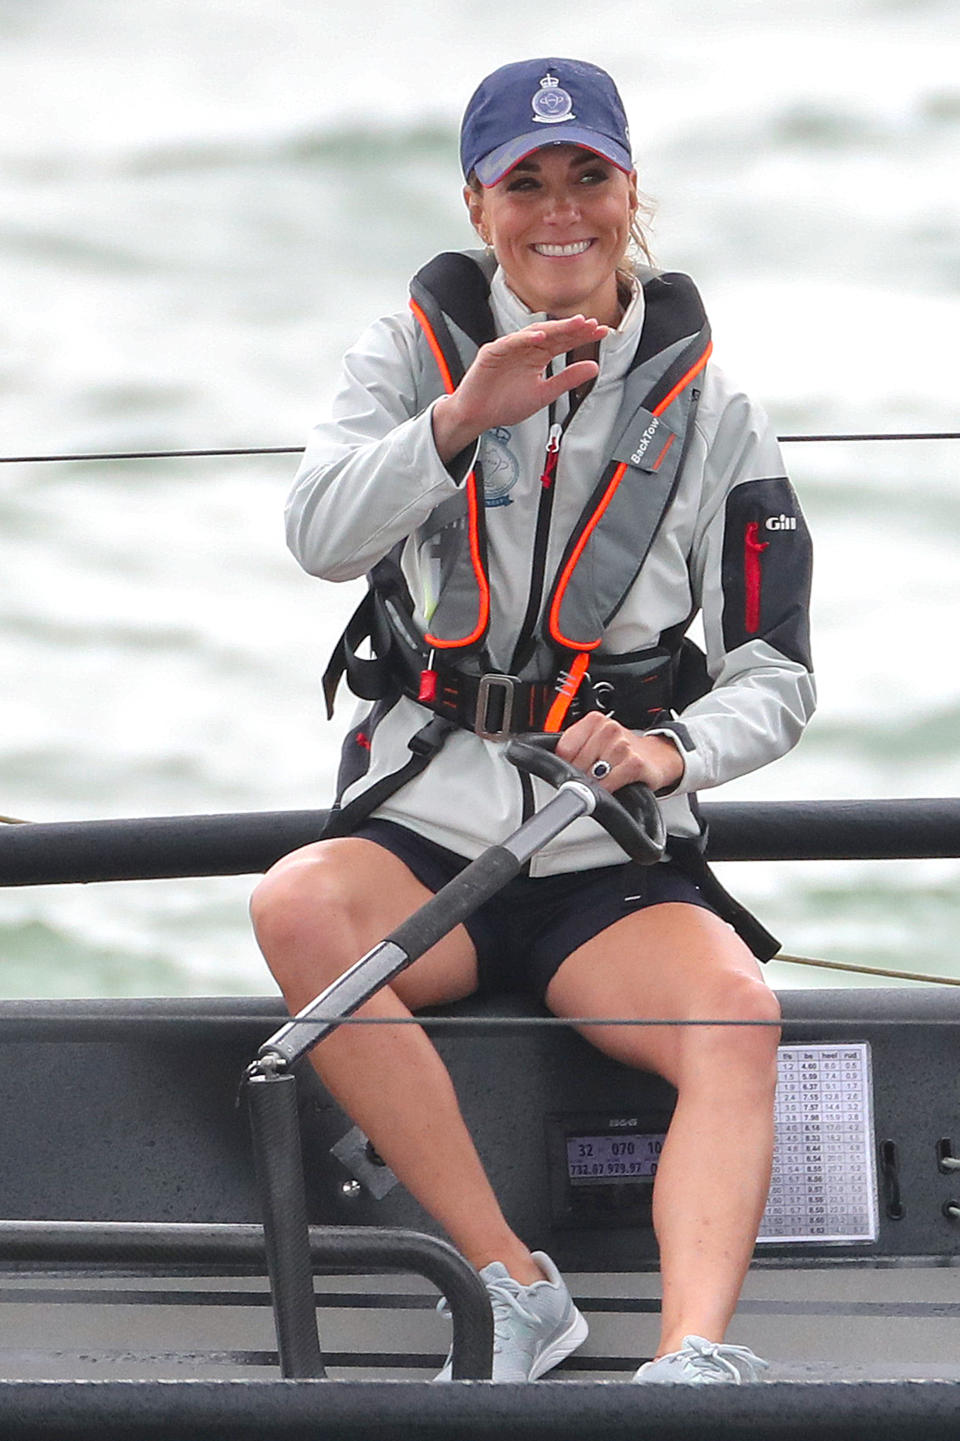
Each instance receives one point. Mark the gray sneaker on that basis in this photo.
(534, 1327)
(703, 1363)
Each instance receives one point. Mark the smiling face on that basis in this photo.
(559, 223)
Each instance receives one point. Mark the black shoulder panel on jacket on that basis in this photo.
(457, 284)
(672, 309)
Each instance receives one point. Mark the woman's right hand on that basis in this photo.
(507, 382)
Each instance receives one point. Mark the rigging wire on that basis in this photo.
(885, 435)
(298, 449)
(154, 454)
(276, 1019)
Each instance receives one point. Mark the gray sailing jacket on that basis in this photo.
(733, 544)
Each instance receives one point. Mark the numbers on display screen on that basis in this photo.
(613, 1158)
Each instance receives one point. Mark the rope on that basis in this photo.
(298, 449)
(869, 970)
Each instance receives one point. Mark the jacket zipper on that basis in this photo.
(521, 651)
(525, 643)
(553, 451)
(540, 540)
(753, 548)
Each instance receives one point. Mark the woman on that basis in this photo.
(546, 478)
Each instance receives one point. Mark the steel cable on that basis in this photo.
(298, 449)
(97, 1021)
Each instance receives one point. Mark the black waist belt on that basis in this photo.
(636, 688)
(494, 706)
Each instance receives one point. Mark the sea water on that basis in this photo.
(203, 204)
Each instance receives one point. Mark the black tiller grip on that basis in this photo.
(630, 815)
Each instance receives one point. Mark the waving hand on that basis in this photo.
(507, 381)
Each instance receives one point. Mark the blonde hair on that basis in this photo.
(640, 226)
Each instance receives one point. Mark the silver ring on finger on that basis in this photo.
(600, 769)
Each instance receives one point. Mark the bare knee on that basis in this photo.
(756, 1005)
(740, 1051)
(304, 916)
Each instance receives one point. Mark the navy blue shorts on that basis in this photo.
(524, 933)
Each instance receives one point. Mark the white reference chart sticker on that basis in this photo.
(824, 1184)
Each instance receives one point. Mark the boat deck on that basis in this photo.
(891, 1323)
(122, 1112)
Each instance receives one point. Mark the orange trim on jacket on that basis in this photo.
(483, 584)
(571, 565)
(621, 470)
(695, 369)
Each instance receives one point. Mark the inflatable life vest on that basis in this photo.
(443, 664)
(450, 298)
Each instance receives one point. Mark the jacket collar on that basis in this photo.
(617, 350)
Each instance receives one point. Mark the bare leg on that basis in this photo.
(678, 961)
(315, 913)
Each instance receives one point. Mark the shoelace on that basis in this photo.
(701, 1357)
(505, 1301)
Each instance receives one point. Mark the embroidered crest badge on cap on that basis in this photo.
(532, 103)
(551, 104)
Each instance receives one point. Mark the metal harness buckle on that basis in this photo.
(499, 685)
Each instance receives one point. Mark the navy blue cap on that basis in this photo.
(532, 103)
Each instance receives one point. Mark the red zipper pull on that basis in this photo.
(753, 548)
(553, 452)
(428, 681)
(752, 539)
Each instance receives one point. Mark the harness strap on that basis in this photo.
(688, 855)
(494, 705)
(342, 820)
(368, 679)
(636, 689)
(571, 681)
